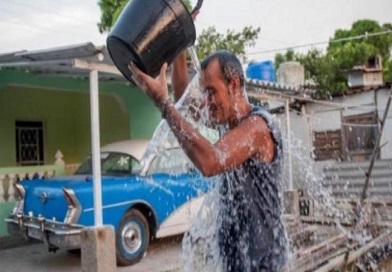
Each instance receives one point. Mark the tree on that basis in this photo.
(280, 58)
(343, 55)
(111, 9)
(108, 9)
(320, 70)
(329, 70)
(208, 41)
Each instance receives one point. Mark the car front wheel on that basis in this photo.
(132, 238)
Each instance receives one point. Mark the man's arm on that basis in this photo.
(251, 138)
(180, 76)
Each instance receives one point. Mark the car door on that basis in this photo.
(181, 190)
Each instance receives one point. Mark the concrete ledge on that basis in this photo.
(98, 249)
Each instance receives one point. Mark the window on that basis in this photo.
(171, 161)
(327, 145)
(29, 141)
(112, 164)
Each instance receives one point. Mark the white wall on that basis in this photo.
(319, 117)
(329, 118)
(300, 148)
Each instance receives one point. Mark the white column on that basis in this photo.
(95, 145)
(289, 145)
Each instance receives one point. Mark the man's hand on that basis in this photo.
(156, 88)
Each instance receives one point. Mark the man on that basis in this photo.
(248, 158)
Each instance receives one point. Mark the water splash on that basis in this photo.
(195, 59)
(201, 244)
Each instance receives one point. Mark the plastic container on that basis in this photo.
(264, 70)
(150, 33)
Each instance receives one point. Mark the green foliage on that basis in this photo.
(208, 41)
(329, 70)
(280, 58)
(188, 4)
(111, 9)
(211, 40)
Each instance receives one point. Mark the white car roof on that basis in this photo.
(135, 148)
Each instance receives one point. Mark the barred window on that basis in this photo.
(29, 143)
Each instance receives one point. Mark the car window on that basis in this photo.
(112, 164)
(171, 161)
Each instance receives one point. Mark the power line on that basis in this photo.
(224, 30)
(366, 35)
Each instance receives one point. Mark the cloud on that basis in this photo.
(43, 24)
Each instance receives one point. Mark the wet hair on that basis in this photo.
(229, 65)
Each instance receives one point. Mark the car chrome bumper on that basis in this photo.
(54, 234)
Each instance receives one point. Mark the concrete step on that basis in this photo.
(374, 182)
(378, 164)
(357, 192)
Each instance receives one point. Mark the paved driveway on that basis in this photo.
(163, 256)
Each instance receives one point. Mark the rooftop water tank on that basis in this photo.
(263, 70)
(291, 73)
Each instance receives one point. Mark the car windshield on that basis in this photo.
(112, 164)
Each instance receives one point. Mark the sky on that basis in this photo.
(42, 24)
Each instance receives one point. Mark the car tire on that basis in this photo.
(132, 238)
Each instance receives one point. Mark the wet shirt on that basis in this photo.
(251, 233)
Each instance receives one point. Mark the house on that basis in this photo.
(318, 133)
(45, 105)
(45, 108)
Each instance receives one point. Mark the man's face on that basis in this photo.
(217, 94)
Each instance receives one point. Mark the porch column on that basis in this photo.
(289, 144)
(95, 145)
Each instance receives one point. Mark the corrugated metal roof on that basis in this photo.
(60, 61)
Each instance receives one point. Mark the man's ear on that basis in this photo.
(235, 83)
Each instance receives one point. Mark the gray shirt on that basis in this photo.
(251, 235)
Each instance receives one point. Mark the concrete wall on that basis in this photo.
(299, 149)
(326, 117)
(355, 78)
(319, 117)
(66, 120)
(329, 118)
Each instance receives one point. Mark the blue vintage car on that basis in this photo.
(144, 194)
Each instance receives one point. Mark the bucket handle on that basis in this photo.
(197, 7)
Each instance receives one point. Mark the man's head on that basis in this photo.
(222, 81)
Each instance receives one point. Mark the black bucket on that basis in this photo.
(150, 33)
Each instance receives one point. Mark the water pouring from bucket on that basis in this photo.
(150, 33)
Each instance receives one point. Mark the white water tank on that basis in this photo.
(291, 73)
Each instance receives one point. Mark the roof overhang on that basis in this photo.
(73, 61)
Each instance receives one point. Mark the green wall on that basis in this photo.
(5, 210)
(62, 103)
